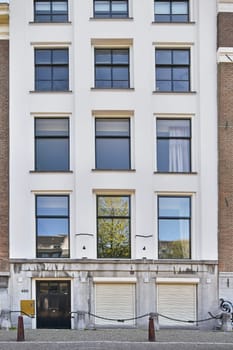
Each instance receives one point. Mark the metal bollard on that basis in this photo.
(151, 330)
(20, 330)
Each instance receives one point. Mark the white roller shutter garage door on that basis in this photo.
(115, 301)
(177, 301)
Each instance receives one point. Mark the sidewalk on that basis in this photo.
(119, 335)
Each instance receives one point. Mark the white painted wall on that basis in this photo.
(83, 183)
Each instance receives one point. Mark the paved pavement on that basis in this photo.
(116, 339)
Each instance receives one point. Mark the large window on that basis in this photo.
(52, 144)
(113, 226)
(51, 11)
(51, 69)
(52, 226)
(171, 10)
(174, 226)
(110, 8)
(112, 68)
(172, 69)
(112, 143)
(173, 145)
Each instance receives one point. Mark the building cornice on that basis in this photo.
(4, 21)
(225, 5)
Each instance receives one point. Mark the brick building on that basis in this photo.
(225, 138)
(4, 168)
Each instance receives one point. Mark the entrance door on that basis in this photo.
(53, 304)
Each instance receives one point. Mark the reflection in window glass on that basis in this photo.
(52, 226)
(113, 226)
(51, 144)
(174, 227)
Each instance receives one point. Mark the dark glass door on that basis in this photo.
(53, 304)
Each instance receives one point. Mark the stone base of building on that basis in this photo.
(85, 293)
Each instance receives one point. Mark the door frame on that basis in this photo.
(33, 282)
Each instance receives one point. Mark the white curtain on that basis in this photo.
(178, 150)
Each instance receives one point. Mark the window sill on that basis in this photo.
(115, 19)
(50, 92)
(49, 23)
(175, 173)
(114, 170)
(174, 23)
(51, 172)
(112, 89)
(174, 92)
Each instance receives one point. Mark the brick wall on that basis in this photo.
(225, 130)
(225, 29)
(4, 167)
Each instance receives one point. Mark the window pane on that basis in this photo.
(180, 56)
(113, 238)
(43, 56)
(112, 153)
(52, 227)
(102, 6)
(59, 6)
(180, 86)
(163, 85)
(60, 56)
(162, 7)
(43, 85)
(43, 73)
(103, 73)
(60, 73)
(120, 56)
(163, 56)
(179, 7)
(174, 207)
(163, 73)
(113, 206)
(52, 154)
(173, 155)
(102, 56)
(174, 239)
(180, 73)
(176, 127)
(42, 6)
(52, 127)
(112, 127)
(52, 205)
(120, 73)
(119, 6)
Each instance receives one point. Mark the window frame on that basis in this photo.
(51, 66)
(189, 138)
(171, 14)
(173, 66)
(52, 217)
(189, 218)
(114, 137)
(128, 217)
(110, 13)
(51, 13)
(111, 65)
(55, 137)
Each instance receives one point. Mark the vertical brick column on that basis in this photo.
(225, 140)
(4, 155)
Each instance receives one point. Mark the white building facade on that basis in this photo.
(113, 160)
